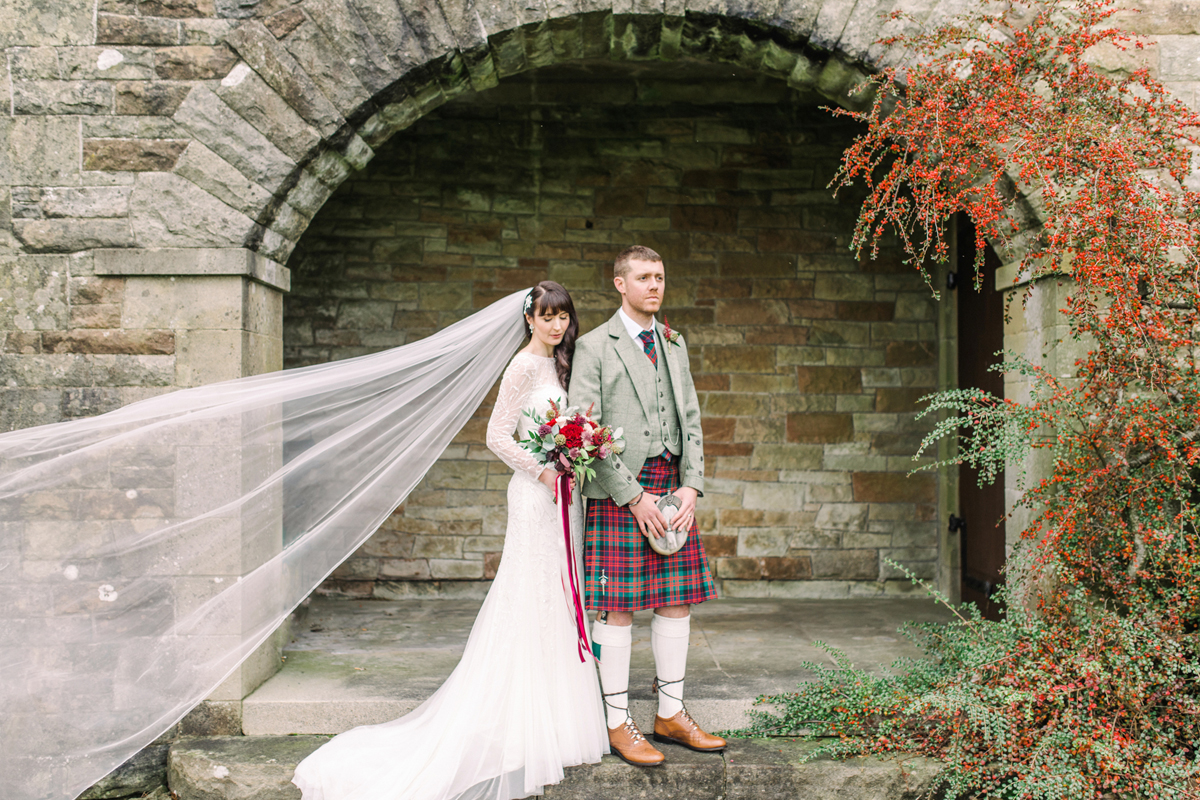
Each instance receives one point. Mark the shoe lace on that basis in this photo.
(630, 726)
(657, 687)
(686, 717)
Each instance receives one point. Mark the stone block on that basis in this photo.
(26, 407)
(72, 235)
(752, 312)
(148, 97)
(901, 400)
(773, 769)
(786, 456)
(105, 64)
(457, 475)
(848, 565)
(23, 342)
(855, 335)
(30, 23)
(747, 358)
(128, 29)
(213, 718)
(193, 261)
(109, 342)
(131, 155)
(758, 542)
(843, 517)
(219, 178)
(220, 128)
(256, 102)
(62, 97)
(99, 201)
(209, 768)
(894, 487)
(145, 773)
(444, 547)
(41, 151)
(169, 211)
(708, 219)
(1179, 58)
(774, 496)
(455, 570)
(764, 569)
(96, 316)
(327, 68)
(829, 380)
(279, 70)
(136, 126)
(183, 303)
(34, 63)
(820, 428)
(844, 287)
(177, 8)
(208, 357)
(204, 31)
(757, 429)
(193, 62)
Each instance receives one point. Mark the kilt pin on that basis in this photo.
(623, 573)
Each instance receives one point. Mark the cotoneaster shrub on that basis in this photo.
(1089, 687)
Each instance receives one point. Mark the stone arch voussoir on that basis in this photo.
(318, 86)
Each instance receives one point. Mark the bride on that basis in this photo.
(520, 706)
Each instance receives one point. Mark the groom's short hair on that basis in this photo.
(635, 252)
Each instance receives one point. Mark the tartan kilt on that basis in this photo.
(622, 572)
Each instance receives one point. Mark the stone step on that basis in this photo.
(260, 768)
(359, 662)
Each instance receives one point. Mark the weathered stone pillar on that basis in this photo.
(224, 308)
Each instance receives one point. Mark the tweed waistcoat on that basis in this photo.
(665, 430)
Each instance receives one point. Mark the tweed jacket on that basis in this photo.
(612, 371)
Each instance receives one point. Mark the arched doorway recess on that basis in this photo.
(808, 362)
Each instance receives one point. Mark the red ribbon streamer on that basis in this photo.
(562, 493)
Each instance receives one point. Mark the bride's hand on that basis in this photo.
(548, 477)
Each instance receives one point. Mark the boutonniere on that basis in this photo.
(671, 337)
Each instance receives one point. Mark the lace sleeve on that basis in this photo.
(515, 386)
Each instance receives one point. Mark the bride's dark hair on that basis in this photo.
(551, 298)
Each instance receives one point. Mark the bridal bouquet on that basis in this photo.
(570, 440)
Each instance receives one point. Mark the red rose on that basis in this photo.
(574, 434)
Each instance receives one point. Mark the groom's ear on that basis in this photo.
(619, 282)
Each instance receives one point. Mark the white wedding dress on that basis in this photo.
(520, 706)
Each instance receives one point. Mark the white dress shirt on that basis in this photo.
(635, 330)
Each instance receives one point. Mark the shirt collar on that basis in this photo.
(634, 329)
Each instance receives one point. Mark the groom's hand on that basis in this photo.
(650, 520)
(687, 509)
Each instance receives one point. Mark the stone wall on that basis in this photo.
(87, 333)
(808, 364)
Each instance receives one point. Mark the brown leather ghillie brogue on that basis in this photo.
(628, 744)
(682, 730)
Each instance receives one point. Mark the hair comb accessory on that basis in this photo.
(528, 301)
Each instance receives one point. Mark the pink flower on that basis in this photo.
(544, 429)
(574, 453)
(602, 452)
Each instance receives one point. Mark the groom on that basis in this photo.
(638, 376)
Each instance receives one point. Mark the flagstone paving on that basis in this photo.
(362, 662)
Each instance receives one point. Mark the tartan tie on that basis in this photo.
(647, 338)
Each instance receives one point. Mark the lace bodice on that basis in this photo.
(529, 384)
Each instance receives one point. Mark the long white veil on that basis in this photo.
(145, 553)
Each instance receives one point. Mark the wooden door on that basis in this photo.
(980, 337)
